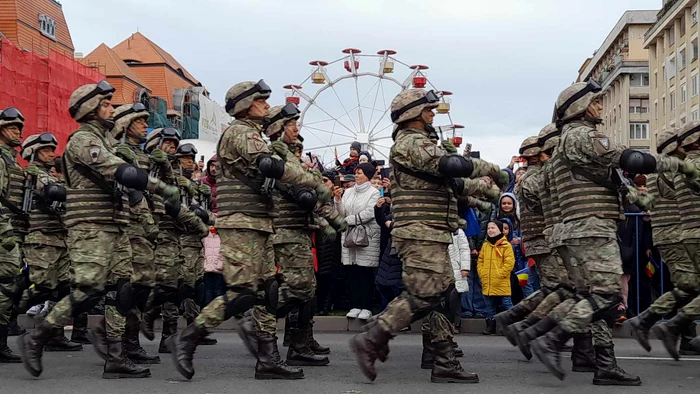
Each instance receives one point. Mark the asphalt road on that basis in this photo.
(227, 368)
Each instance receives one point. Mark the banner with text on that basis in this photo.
(213, 119)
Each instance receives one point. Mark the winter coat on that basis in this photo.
(210, 181)
(381, 215)
(213, 261)
(494, 266)
(349, 165)
(484, 219)
(328, 255)
(360, 205)
(390, 268)
(460, 256)
(520, 259)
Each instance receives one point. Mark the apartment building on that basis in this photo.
(621, 67)
(673, 63)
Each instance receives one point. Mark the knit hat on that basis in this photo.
(367, 169)
(498, 224)
(348, 178)
(356, 146)
(330, 173)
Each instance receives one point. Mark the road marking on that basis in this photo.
(656, 358)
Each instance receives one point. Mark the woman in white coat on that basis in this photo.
(357, 205)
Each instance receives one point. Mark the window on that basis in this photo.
(670, 67)
(694, 53)
(639, 131)
(639, 106)
(694, 85)
(681, 59)
(639, 79)
(671, 36)
(682, 120)
(672, 100)
(681, 26)
(695, 115)
(684, 93)
(694, 15)
(47, 26)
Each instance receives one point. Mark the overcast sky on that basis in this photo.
(505, 61)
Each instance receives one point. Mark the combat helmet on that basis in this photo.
(11, 116)
(35, 142)
(667, 141)
(156, 138)
(124, 115)
(410, 103)
(241, 96)
(279, 115)
(186, 150)
(548, 138)
(574, 100)
(87, 98)
(689, 134)
(530, 147)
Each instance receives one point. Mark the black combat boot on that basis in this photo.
(169, 329)
(510, 316)
(206, 341)
(246, 330)
(490, 327)
(548, 350)
(669, 332)
(608, 373)
(285, 338)
(511, 332)
(300, 353)
(314, 345)
(640, 325)
(270, 365)
(6, 355)
(695, 344)
(148, 321)
(446, 368)
(457, 351)
(14, 329)
(367, 348)
(31, 346)
(118, 366)
(582, 354)
(79, 332)
(382, 353)
(98, 337)
(529, 334)
(183, 346)
(427, 358)
(686, 349)
(132, 346)
(59, 343)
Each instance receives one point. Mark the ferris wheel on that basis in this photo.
(349, 99)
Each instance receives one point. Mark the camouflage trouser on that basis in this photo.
(244, 253)
(168, 263)
(684, 275)
(427, 273)
(99, 258)
(551, 269)
(191, 269)
(46, 256)
(264, 320)
(692, 309)
(143, 258)
(9, 270)
(595, 269)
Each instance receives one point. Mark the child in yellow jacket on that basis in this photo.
(496, 261)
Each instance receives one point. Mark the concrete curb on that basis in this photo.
(322, 324)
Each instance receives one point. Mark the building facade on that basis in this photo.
(621, 67)
(673, 62)
(37, 26)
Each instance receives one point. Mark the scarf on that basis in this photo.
(493, 240)
(363, 187)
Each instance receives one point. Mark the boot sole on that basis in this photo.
(10, 361)
(170, 342)
(307, 363)
(106, 375)
(636, 334)
(606, 382)
(662, 335)
(539, 352)
(23, 354)
(450, 380)
(322, 353)
(266, 376)
(583, 369)
(524, 349)
(62, 349)
(144, 362)
(366, 372)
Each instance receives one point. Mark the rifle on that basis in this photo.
(184, 193)
(29, 186)
(154, 171)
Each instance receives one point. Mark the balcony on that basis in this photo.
(667, 9)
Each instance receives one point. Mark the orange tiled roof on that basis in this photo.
(110, 64)
(19, 21)
(138, 47)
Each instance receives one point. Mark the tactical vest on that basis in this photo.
(290, 215)
(688, 204)
(14, 193)
(42, 218)
(93, 204)
(580, 197)
(547, 193)
(531, 222)
(431, 202)
(237, 192)
(665, 212)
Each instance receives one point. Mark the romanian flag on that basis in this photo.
(651, 268)
(523, 276)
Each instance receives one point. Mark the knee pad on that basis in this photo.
(306, 313)
(421, 312)
(604, 313)
(141, 294)
(62, 291)
(271, 289)
(163, 294)
(237, 306)
(199, 292)
(92, 298)
(124, 297)
(184, 292)
(450, 304)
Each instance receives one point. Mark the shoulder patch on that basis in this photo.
(430, 149)
(94, 153)
(255, 144)
(601, 144)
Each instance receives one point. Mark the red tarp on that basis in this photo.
(40, 88)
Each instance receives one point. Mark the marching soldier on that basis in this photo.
(97, 211)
